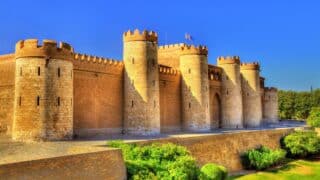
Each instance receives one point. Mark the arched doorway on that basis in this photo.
(215, 112)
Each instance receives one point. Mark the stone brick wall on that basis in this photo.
(43, 99)
(215, 104)
(170, 101)
(107, 164)
(141, 88)
(251, 97)
(231, 97)
(195, 92)
(98, 97)
(7, 70)
(169, 55)
(225, 149)
(270, 105)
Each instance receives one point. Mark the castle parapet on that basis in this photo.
(95, 59)
(136, 35)
(171, 47)
(228, 60)
(250, 66)
(48, 49)
(193, 50)
(168, 70)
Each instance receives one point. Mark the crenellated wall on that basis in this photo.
(231, 98)
(170, 99)
(141, 83)
(251, 94)
(169, 55)
(49, 92)
(43, 104)
(195, 88)
(98, 95)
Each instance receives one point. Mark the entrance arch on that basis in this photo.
(215, 112)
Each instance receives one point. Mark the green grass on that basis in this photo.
(295, 170)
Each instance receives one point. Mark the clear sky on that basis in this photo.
(283, 35)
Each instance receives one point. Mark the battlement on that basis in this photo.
(168, 70)
(48, 49)
(171, 47)
(191, 49)
(98, 60)
(250, 66)
(228, 60)
(136, 35)
(270, 89)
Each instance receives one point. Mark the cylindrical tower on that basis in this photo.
(141, 83)
(231, 98)
(43, 91)
(270, 106)
(195, 88)
(251, 97)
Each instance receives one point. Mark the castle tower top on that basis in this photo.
(194, 50)
(250, 66)
(228, 60)
(270, 89)
(136, 35)
(49, 48)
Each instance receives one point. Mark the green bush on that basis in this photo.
(314, 117)
(157, 161)
(301, 143)
(262, 158)
(212, 171)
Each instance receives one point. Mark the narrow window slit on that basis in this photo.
(38, 100)
(59, 72)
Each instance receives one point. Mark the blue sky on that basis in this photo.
(283, 35)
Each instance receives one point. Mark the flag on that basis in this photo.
(187, 36)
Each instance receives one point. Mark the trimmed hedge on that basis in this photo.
(301, 144)
(262, 158)
(212, 171)
(157, 161)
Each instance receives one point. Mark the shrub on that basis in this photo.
(262, 158)
(157, 161)
(212, 171)
(301, 143)
(314, 117)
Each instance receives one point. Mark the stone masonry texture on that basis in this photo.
(50, 92)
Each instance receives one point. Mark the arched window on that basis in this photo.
(58, 101)
(38, 70)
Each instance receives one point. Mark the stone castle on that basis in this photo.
(50, 92)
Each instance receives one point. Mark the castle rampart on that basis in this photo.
(251, 97)
(49, 92)
(270, 110)
(141, 83)
(43, 106)
(231, 97)
(195, 88)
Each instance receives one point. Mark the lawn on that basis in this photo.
(299, 170)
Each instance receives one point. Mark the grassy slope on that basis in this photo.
(300, 170)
